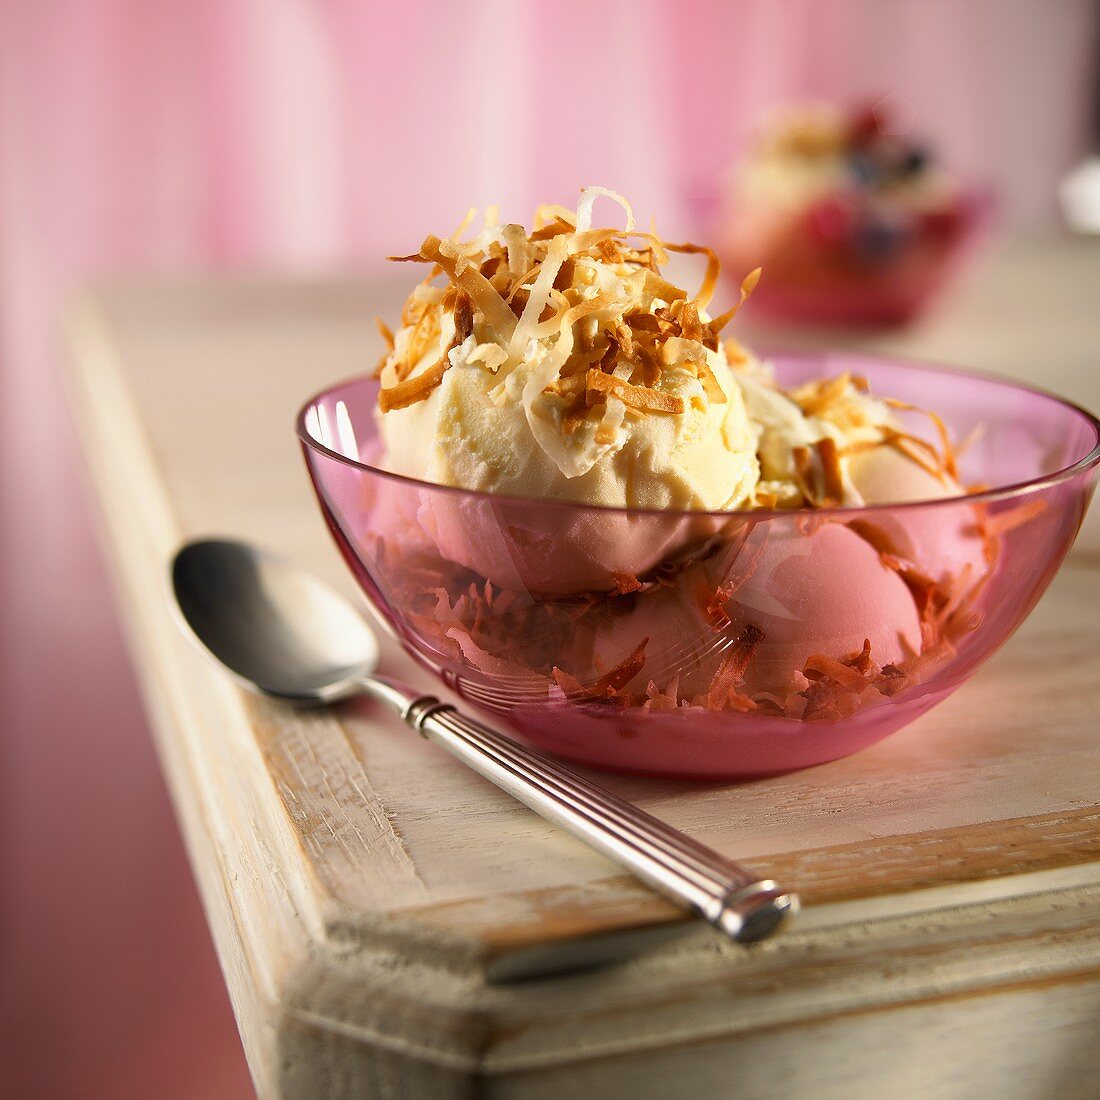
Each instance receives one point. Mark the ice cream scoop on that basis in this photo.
(782, 596)
(823, 591)
(467, 434)
(561, 365)
(943, 544)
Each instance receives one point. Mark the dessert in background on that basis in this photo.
(561, 365)
(854, 221)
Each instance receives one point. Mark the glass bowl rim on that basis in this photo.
(1004, 492)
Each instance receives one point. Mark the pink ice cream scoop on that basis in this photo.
(824, 591)
(546, 549)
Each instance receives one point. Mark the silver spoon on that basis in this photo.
(286, 634)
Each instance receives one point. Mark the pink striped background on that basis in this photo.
(155, 135)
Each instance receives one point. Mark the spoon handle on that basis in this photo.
(733, 899)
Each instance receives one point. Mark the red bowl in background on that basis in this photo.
(815, 272)
(849, 260)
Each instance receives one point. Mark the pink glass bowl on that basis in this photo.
(716, 644)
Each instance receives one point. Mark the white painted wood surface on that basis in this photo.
(361, 886)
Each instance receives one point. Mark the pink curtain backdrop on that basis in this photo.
(154, 135)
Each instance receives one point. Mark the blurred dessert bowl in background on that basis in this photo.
(855, 220)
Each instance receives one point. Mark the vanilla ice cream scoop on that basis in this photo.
(463, 434)
(560, 364)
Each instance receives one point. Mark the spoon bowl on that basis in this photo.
(275, 627)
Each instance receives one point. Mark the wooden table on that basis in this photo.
(371, 901)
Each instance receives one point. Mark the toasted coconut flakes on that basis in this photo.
(860, 661)
(642, 323)
(715, 394)
(658, 287)
(931, 656)
(422, 299)
(691, 328)
(711, 602)
(540, 294)
(642, 398)
(819, 665)
(920, 451)
(735, 351)
(521, 283)
(567, 275)
(830, 467)
(748, 285)
(656, 699)
(408, 391)
(532, 289)
(860, 447)
(480, 625)
(414, 389)
(625, 339)
(722, 691)
(568, 386)
(481, 292)
(557, 228)
(875, 535)
(947, 458)
(710, 278)
(422, 339)
(465, 223)
(500, 279)
(999, 523)
(515, 240)
(610, 684)
(809, 523)
(649, 365)
(610, 251)
(891, 680)
(385, 331)
(588, 201)
(670, 322)
(804, 473)
(550, 212)
(464, 320)
(815, 398)
(387, 335)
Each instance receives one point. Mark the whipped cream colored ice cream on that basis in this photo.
(561, 364)
(477, 430)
